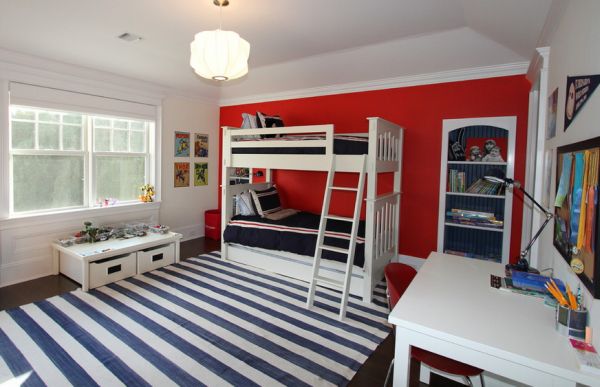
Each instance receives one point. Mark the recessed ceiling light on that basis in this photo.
(129, 37)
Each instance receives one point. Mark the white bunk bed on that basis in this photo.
(382, 220)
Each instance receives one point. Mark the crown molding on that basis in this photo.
(538, 62)
(39, 71)
(508, 69)
(24, 68)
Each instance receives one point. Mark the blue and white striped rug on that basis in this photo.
(200, 322)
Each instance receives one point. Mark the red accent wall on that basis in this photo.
(420, 110)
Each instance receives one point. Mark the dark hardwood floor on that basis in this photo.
(372, 373)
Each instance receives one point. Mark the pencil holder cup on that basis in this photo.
(571, 322)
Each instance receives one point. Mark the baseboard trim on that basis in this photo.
(189, 232)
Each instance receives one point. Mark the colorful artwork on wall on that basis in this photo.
(200, 145)
(182, 175)
(200, 174)
(182, 144)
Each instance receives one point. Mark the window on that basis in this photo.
(63, 160)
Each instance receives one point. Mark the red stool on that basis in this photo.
(398, 276)
(212, 224)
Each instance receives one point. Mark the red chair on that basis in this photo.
(398, 276)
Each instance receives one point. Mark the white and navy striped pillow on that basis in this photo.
(244, 204)
(267, 201)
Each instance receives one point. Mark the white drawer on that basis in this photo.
(111, 269)
(155, 257)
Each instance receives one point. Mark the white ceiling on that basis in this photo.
(295, 44)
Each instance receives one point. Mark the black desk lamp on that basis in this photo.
(523, 263)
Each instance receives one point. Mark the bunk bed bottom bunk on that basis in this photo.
(295, 234)
(293, 265)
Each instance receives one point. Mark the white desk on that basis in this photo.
(450, 309)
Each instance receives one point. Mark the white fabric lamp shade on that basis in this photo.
(219, 55)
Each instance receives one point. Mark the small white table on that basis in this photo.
(450, 309)
(74, 261)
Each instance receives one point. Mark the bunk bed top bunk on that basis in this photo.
(311, 147)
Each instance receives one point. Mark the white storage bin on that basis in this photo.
(111, 269)
(155, 257)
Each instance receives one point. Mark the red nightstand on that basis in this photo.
(212, 224)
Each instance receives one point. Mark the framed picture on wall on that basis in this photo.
(200, 145)
(576, 221)
(552, 114)
(182, 144)
(181, 175)
(200, 174)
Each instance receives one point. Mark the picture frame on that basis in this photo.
(182, 144)
(181, 176)
(577, 213)
(552, 114)
(200, 174)
(200, 145)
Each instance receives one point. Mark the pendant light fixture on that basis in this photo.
(219, 55)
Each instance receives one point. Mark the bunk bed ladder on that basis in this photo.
(316, 279)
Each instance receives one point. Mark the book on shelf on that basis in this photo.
(473, 218)
(456, 181)
(482, 186)
(488, 257)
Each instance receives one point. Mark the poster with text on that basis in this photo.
(182, 175)
(579, 91)
(200, 174)
(201, 145)
(182, 144)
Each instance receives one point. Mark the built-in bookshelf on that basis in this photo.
(475, 213)
(239, 176)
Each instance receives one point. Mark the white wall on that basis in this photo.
(183, 208)
(574, 50)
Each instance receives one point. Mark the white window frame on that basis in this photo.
(149, 127)
(113, 99)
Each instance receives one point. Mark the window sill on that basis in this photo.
(39, 219)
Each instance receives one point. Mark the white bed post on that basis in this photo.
(370, 212)
(226, 204)
(398, 189)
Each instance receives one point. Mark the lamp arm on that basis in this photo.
(538, 205)
(535, 237)
(549, 216)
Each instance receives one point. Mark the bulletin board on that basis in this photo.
(576, 221)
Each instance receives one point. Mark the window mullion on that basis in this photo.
(60, 132)
(148, 173)
(36, 131)
(89, 160)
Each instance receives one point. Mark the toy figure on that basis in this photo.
(487, 147)
(474, 153)
(494, 156)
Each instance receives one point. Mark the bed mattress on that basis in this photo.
(342, 145)
(295, 234)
